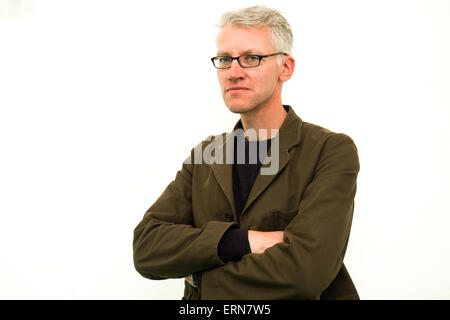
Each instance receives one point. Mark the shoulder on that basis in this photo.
(205, 151)
(322, 145)
(315, 135)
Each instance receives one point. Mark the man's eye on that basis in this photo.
(225, 60)
(251, 58)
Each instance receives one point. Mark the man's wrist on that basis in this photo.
(233, 245)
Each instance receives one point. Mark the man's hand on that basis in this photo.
(259, 241)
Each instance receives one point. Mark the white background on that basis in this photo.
(101, 101)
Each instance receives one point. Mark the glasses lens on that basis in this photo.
(249, 61)
(222, 62)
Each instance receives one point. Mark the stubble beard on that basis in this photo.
(246, 107)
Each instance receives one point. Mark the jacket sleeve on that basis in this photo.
(166, 245)
(314, 244)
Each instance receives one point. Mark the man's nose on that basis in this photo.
(235, 71)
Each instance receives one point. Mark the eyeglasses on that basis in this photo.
(245, 61)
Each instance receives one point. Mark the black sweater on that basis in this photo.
(234, 243)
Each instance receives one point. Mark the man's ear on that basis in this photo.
(287, 68)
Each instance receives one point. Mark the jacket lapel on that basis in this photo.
(224, 172)
(289, 135)
(263, 181)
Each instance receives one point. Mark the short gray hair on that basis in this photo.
(260, 16)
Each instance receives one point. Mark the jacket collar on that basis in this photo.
(289, 136)
(289, 131)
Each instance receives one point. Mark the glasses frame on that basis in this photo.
(260, 57)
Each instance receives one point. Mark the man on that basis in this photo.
(234, 231)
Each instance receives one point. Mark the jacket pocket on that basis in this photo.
(281, 218)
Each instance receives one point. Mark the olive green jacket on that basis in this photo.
(311, 198)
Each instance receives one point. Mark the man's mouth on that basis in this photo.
(235, 89)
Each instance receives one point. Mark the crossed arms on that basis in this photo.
(300, 262)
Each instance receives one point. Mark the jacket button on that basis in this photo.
(229, 217)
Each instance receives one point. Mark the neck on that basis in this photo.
(268, 116)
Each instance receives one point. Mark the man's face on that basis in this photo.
(246, 89)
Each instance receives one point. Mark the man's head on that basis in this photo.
(254, 31)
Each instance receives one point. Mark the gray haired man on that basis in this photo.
(265, 225)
